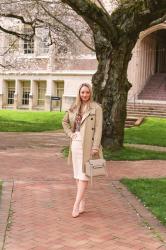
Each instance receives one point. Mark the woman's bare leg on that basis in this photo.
(81, 188)
(77, 181)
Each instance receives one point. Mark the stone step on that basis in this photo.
(146, 108)
(147, 114)
(129, 124)
(133, 121)
(155, 88)
(147, 111)
(156, 105)
(154, 98)
(140, 106)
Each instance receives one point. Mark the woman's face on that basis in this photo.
(84, 94)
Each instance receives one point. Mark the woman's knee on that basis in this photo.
(83, 182)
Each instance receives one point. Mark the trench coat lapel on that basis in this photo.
(90, 111)
(85, 116)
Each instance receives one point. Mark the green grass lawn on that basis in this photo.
(26, 121)
(152, 192)
(133, 154)
(128, 154)
(151, 132)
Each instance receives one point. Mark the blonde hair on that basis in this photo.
(77, 103)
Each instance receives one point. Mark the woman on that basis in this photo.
(83, 124)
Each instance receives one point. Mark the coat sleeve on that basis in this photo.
(66, 125)
(98, 128)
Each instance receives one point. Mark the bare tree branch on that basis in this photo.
(27, 37)
(66, 26)
(6, 66)
(21, 18)
(10, 47)
(93, 15)
(103, 7)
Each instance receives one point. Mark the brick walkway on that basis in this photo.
(44, 192)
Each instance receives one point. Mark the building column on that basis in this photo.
(1, 93)
(48, 94)
(5, 94)
(17, 94)
(32, 95)
(1, 101)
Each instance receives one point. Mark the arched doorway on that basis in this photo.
(147, 68)
(160, 51)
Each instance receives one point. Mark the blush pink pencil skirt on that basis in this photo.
(77, 155)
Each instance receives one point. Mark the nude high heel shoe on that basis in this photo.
(75, 212)
(82, 206)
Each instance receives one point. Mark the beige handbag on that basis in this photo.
(95, 167)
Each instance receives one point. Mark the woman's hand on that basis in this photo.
(94, 152)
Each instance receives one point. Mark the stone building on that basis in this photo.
(38, 74)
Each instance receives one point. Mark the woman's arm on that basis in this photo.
(66, 125)
(98, 128)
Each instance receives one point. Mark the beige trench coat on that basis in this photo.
(91, 131)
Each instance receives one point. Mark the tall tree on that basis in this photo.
(115, 36)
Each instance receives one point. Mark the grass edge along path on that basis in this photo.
(151, 192)
(128, 154)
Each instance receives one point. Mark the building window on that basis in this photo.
(41, 87)
(25, 92)
(10, 91)
(44, 46)
(59, 88)
(59, 91)
(28, 44)
(43, 41)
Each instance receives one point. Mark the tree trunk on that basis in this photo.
(113, 93)
(103, 52)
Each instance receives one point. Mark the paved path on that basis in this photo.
(43, 192)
